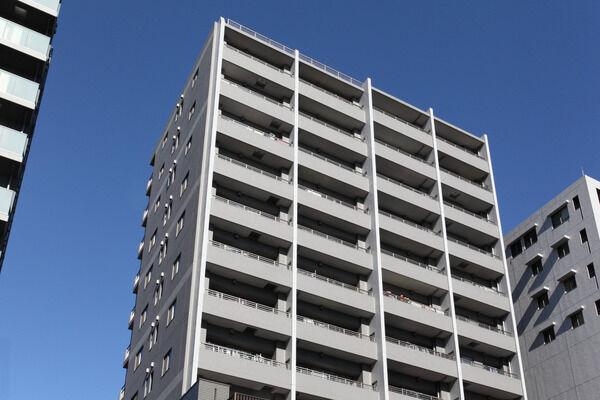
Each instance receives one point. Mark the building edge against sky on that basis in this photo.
(335, 242)
(553, 258)
(26, 31)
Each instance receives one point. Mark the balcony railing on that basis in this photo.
(489, 368)
(330, 70)
(407, 300)
(484, 326)
(407, 222)
(406, 153)
(251, 168)
(334, 282)
(245, 253)
(481, 185)
(255, 130)
(247, 303)
(330, 93)
(257, 59)
(467, 211)
(401, 120)
(260, 37)
(468, 150)
(250, 209)
(334, 378)
(335, 328)
(404, 185)
(489, 289)
(334, 239)
(19, 87)
(410, 260)
(419, 348)
(335, 128)
(412, 393)
(330, 161)
(23, 37)
(470, 246)
(243, 355)
(244, 396)
(343, 203)
(255, 93)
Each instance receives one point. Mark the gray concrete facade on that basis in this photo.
(337, 242)
(26, 31)
(556, 294)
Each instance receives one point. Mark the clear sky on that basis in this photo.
(525, 73)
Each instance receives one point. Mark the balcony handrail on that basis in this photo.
(260, 37)
(334, 282)
(245, 253)
(268, 135)
(312, 153)
(244, 355)
(254, 92)
(484, 326)
(323, 195)
(407, 300)
(406, 153)
(410, 345)
(330, 93)
(467, 211)
(330, 70)
(410, 260)
(412, 393)
(465, 148)
(335, 128)
(401, 120)
(285, 71)
(481, 185)
(491, 289)
(481, 365)
(404, 185)
(470, 246)
(333, 378)
(244, 396)
(247, 303)
(252, 210)
(405, 221)
(251, 168)
(24, 37)
(334, 239)
(334, 328)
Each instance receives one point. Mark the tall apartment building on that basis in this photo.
(553, 257)
(26, 31)
(309, 236)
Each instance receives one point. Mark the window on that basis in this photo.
(138, 359)
(157, 203)
(192, 110)
(158, 292)
(135, 396)
(516, 248)
(598, 194)
(577, 319)
(175, 143)
(165, 138)
(180, 224)
(570, 283)
(168, 209)
(591, 270)
(536, 267)
(143, 316)
(161, 171)
(153, 337)
(171, 177)
(171, 313)
(148, 277)
(163, 250)
(175, 268)
(542, 300)
(529, 238)
(563, 250)
(583, 236)
(576, 202)
(188, 146)
(184, 184)
(148, 383)
(597, 307)
(560, 217)
(548, 335)
(195, 78)
(166, 362)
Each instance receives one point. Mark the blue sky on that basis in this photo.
(525, 73)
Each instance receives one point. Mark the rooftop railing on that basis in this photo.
(330, 93)
(333, 378)
(401, 120)
(334, 282)
(489, 289)
(410, 345)
(260, 37)
(255, 93)
(334, 328)
(407, 222)
(243, 355)
(467, 211)
(330, 70)
(247, 303)
(335, 128)
(334, 239)
(251, 168)
(252, 129)
(468, 150)
(330, 161)
(482, 325)
(470, 246)
(263, 62)
(410, 260)
(250, 209)
(248, 254)
(462, 178)
(412, 393)
(406, 153)
(407, 300)
(311, 191)
(489, 368)
(404, 185)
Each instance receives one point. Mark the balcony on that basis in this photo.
(7, 198)
(335, 170)
(407, 193)
(399, 125)
(475, 255)
(471, 220)
(397, 393)
(48, 6)
(18, 90)
(334, 207)
(332, 101)
(329, 386)
(410, 230)
(430, 363)
(404, 307)
(477, 190)
(331, 137)
(490, 339)
(398, 156)
(463, 154)
(479, 298)
(126, 357)
(24, 40)
(490, 381)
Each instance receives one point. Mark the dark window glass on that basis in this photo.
(530, 238)
(542, 300)
(570, 283)
(536, 267)
(583, 236)
(563, 250)
(548, 335)
(516, 248)
(560, 217)
(591, 270)
(577, 319)
(576, 202)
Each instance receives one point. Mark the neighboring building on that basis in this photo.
(554, 255)
(298, 244)
(26, 31)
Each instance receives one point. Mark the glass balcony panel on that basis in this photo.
(23, 37)
(13, 142)
(49, 4)
(6, 201)
(16, 86)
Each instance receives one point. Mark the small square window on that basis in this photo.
(161, 171)
(583, 236)
(529, 238)
(570, 283)
(175, 268)
(536, 267)
(166, 364)
(153, 337)
(576, 204)
(516, 248)
(143, 316)
(195, 78)
(157, 203)
(158, 292)
(152, 241)
(548, 335)
(188, 146)
(171, 313)
(192, 111)
(180, 224)
(563, 250)
(148, 277)
(577, 319)
(165, 138)
(138, 359)
(148, 381)
(135, 396)
(184, 184)
(542, 300)
(591, 270)
(597, 307)
(560, 217)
